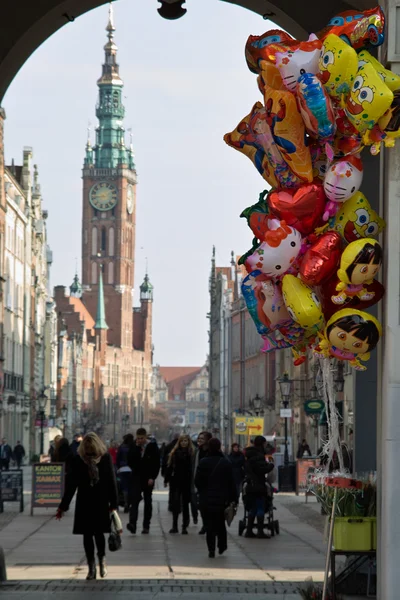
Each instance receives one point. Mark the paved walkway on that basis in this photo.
(45, 560)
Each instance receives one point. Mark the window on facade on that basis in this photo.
(192, 417)
(177, 397)
(201, 418)
(203, 383)
(94, 241)
(111, 273)
(103, 239)
(111, 241)
(202, 397)
(94, 273)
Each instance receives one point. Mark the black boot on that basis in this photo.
(250, 524)
(174, 525)
(102, 566)
(260, 528)
(92, 569)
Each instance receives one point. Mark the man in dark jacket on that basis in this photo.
(5, 455)
(303, 449)
(75, 444)
(201, 452)
(256, 469)
(19, 453)
(144, 461)
(216, 485)
(164, 463)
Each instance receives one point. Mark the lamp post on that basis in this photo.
(285, 385)
(64, 414)
(256, 405)
(42, 399)
(24, 417)
(116, 401)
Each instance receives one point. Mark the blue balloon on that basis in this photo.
(316, 108)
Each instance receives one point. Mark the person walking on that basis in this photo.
(237, 459)
(113, 451)
(124, 471)
(52, 447)
(75, 444)
(202, 449)
(164, 464)
(256, 469)
(5, 455)
(216, 485)
(62, 452)
(92, 474)
(179, 477)
(19, 453)
(144, 461)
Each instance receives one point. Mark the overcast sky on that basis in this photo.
(186, 84)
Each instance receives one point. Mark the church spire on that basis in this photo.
(101, 311)
(109, 150)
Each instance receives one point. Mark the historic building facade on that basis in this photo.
(108, 341)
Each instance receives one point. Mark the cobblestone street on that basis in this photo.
(44, 559)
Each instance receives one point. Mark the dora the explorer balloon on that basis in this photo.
(359, 264)
(350, 335)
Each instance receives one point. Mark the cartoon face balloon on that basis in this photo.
(302, 303)
(369, 98)
(343, 178)
(356, 219)
(277, 252)
(293, 64)
(350, 335)
(358, 28)
(392, 80)
(359, 264)
(256, 46)
(337, 65)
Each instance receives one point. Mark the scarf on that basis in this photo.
(92, 463)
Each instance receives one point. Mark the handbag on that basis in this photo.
(229, 513)
(114, 539)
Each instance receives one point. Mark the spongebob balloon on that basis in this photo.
(337, 66)
(368, 100)
(391, 79)
(356, 219)
(302, 303)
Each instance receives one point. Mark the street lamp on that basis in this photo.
(64, 414)
(116, 401)
(42, 400)
(256, 405)
(285, 385)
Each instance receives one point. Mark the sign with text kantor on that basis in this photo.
(47, 485)
(249, 425)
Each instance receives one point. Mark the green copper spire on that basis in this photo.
(110, 150)
(146, 289)
(75, 288)
(101, 311)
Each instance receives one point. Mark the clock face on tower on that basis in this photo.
(129, 199)
(103, 195)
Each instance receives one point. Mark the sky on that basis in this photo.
(186, 83)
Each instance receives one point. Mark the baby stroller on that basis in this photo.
(269, 522)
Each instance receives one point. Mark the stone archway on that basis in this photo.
(25, 26)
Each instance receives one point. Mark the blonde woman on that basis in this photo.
(92, 474)
(179, 477)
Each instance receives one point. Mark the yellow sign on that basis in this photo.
(249, 426)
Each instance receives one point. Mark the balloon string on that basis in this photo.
(333, 442)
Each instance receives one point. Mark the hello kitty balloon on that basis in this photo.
(277, 252)
(294, 63)
(341, 181)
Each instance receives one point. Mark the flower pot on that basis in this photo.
(352, 534)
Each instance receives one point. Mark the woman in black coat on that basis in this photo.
(256, 469)
(178, 475)
(237, 459)
(216, 485)
(92, 474)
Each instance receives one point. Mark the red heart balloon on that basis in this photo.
(326, 291)
(301, 208)
(321, 260)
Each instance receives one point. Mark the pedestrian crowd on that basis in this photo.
(204, 485)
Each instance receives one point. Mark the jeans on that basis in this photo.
(88, 544)
(257, 507)
(214, 522)
(180, 500)
(138, 492)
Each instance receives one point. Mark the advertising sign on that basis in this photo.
(47, 485)
(249, 425)
(303, 468)
(12, 488)
(314, 407)
(286, 413)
